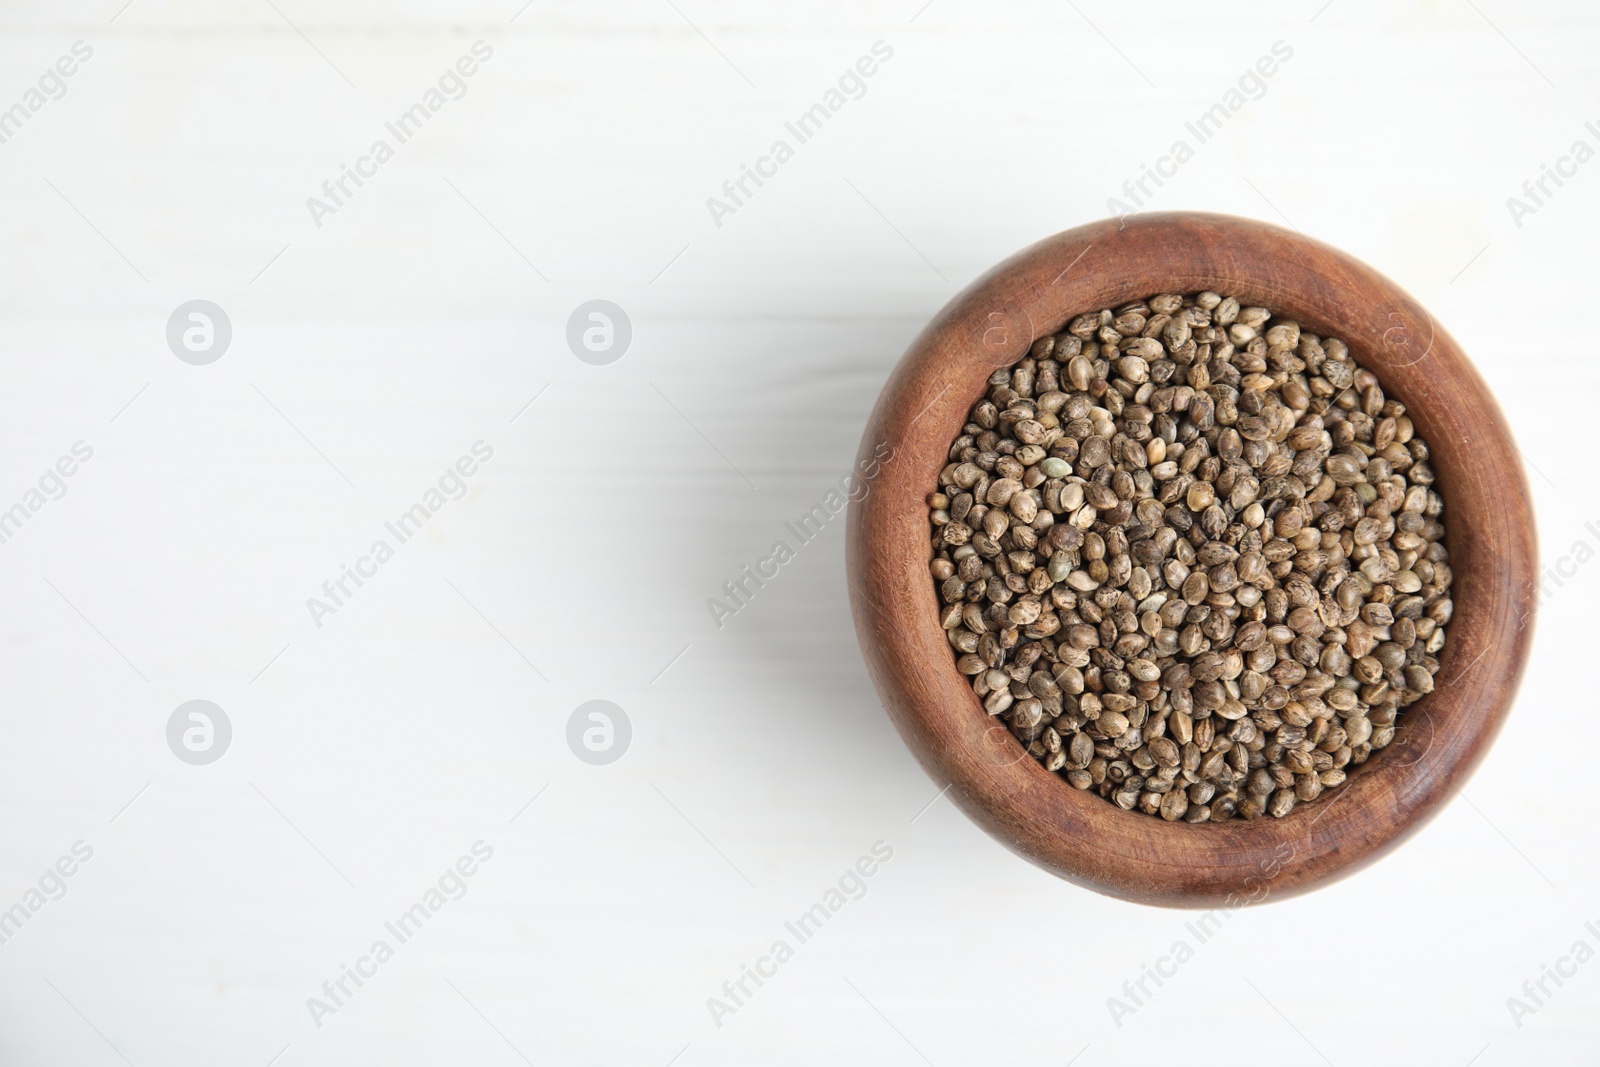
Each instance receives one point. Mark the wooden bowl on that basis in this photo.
(1078, 834)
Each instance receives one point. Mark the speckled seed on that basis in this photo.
(1112, 724)
(1174, 805)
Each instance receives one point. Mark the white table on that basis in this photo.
(370, 753)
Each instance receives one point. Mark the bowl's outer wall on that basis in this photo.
(1489, 532)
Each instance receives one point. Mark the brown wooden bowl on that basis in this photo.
(1488, 529)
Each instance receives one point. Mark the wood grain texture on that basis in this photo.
(1489, 531)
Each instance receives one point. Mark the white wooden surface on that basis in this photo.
(375, 750)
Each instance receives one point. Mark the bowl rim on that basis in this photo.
(1077, 834)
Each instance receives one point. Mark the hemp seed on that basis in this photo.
(1192, 556)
